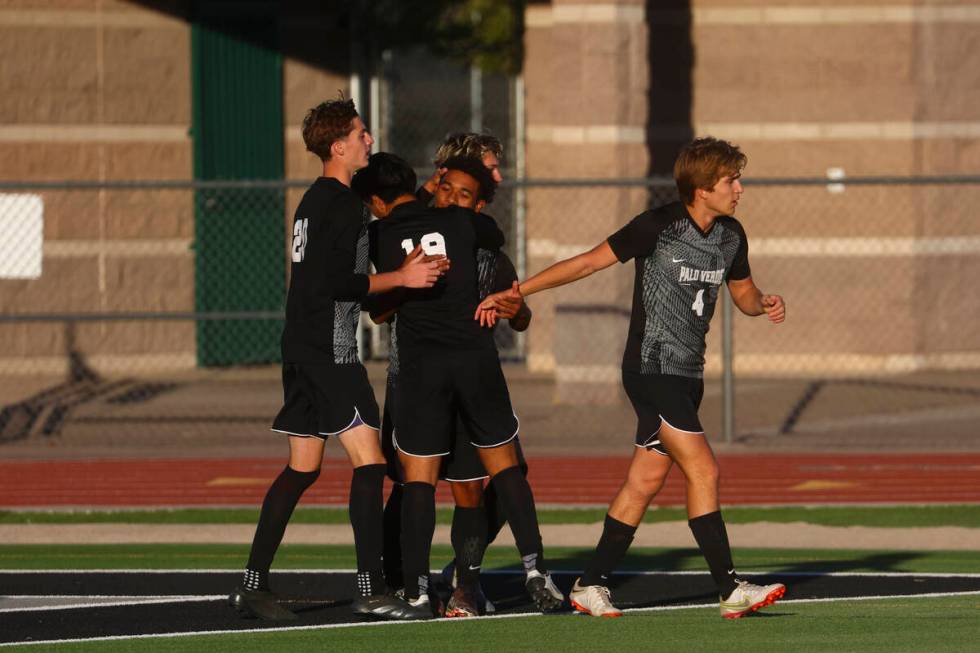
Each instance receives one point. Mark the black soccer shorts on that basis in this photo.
(663, 398)
(463, 462)
(434, 384)
(324, 400)
(393, 466)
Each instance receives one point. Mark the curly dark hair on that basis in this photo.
(474, 168)
(327, 123)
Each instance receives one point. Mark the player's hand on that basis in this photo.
(417, 272)
(489, 309)
(442, 263)
(432, 183)
(509, 304)
(775, 308)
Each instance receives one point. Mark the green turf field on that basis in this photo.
(924, 624)
(909, 624)
(310, 556)
(964, 515)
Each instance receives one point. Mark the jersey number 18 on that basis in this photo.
(432, 244)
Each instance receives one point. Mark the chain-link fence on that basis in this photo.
(151, 312)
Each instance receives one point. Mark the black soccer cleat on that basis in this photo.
(378, 605)
(406, 610)
(259, 604)
(545, 595)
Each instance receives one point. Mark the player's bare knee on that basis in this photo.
(468, 494)
(644, 484)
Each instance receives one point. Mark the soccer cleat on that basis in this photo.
(408, 609)
(748, 598)
(545, 595)
(593, 600)
(259, 604)
(468, 601)
(378, 605)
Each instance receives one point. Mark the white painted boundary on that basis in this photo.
(508, 572)
(122, 600)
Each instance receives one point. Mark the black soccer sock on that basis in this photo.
(392, 551)
(712, 538)
(496, 518)
(469, 538)
(615, 541)
(277, 508)
(366, 507)
(494, 511)
(515, 494)
(418, 526)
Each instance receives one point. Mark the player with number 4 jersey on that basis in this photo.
(683, 253)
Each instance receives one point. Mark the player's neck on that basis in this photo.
(703, 216)
(339, 170)
(398, 201)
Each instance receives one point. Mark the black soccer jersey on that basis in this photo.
(328, 276)
(494, 272)
(679, 272)
(441, 316)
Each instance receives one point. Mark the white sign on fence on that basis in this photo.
(21, 235)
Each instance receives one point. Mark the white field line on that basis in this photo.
(122, 600)
(508, 572)
(443, 621)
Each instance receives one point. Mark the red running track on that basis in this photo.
(746, 479)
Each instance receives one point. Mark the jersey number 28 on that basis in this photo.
(432, 244)
(300, 228)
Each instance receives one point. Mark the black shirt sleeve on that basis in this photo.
(637, 238)
(505, 275)
(740, 265)
(488, 234)
(340, 249)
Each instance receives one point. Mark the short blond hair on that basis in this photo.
(467, 144)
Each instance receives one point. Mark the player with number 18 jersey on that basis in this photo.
(445, 358)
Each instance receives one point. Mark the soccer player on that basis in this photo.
(447, 363)
(484, 147)
(468, 183)
(325, 387)
(684, 252)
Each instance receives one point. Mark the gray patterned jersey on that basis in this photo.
(679, 273)
(347, 315)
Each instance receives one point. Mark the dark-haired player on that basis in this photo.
(484, 147)
(447, 365)
(684, 253)
(325, 387)
(478, 516)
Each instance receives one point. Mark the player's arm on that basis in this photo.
(559, 274)
(752, 301)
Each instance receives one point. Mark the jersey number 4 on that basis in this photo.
(432, 244)
(299, 239)
(698, 305)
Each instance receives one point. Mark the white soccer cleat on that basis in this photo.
(593, 600)
(748, 598)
